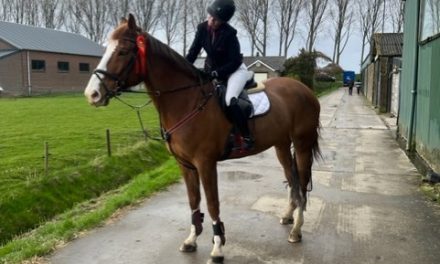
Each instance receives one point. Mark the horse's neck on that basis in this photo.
(164, 80)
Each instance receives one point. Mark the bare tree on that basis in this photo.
(342, 19)
(51, 13)
(31, 12)
(148, 13)
(118, 10)
(315, 16)
(92, 16)
(5, 10)
(368, 12)
(396, 9)
(253, 16)
(248, 18)
(170, 19)
(263, 13)
(17, 9)
(286, 13)
(197, 12)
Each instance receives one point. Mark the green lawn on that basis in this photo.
(79, 168)
(74, 131)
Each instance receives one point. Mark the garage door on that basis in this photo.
(260, 76)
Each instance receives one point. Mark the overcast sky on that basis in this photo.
(350, 58)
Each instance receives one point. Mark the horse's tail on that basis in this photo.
(295, 190)
(317, 154)
(296, 194)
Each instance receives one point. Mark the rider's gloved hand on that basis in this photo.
(214, 74)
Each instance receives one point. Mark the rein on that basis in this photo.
(166, 134)
(139, 62)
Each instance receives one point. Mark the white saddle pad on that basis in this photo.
(261, 103)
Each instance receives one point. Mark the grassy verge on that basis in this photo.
(27, 208)
(324, 88)
(66, 226)
(432, 191)
(78, 166)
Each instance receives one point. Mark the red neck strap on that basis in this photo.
(141, 59)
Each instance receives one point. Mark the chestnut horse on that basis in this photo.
(196, 130)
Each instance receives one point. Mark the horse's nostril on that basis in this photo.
(96, 95)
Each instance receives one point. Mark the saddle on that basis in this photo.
(250, 101)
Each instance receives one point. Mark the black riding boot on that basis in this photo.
(241, 121)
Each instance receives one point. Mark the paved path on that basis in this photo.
(365, 207)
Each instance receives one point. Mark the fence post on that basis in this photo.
(109, 147)
(46, 158)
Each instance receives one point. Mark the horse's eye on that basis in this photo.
(123, 53)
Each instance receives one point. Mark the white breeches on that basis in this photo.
(236, 83)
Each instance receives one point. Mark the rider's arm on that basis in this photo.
(196, 46)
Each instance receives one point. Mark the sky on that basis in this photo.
(349, 60)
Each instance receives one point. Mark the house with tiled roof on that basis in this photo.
(264, 67)
(380, 71)
(37, 60)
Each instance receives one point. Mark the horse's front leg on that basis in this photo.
(208, 175)
(192, 182)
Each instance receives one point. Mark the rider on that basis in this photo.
(224, 60)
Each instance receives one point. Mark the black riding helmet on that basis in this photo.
(222, 9)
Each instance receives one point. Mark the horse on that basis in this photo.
(196, 129)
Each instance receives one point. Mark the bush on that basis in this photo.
(302, 66)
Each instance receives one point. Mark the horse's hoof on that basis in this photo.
(218, 259)
(294, 238)
(188, 248)
(286, 221)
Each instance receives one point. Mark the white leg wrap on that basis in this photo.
(287, 217)
(217, 248)
(191, 240)
(296, 234)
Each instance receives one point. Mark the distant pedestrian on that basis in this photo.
(350, 87)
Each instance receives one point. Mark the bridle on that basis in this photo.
(120, 80)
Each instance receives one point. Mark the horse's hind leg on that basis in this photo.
(304, 160)
(192, 182)
(284, 155)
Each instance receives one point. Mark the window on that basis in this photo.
(63, 66)
(84, 67)
(38, 65)
(430, 19)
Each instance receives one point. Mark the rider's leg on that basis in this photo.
(236, 82)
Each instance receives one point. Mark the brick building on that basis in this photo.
(38, 60)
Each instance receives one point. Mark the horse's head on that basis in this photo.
(121, 66)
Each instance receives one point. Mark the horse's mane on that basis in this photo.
(157, 47)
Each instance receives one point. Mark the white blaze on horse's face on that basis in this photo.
(92, 91)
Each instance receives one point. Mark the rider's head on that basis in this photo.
(222, 10)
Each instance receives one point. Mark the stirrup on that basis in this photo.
(248, 143)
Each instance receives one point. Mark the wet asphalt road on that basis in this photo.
(365, 207)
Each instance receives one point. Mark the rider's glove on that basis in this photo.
(214, 74)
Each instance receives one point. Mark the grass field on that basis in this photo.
(78, 166)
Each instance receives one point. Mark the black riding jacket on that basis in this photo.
(223, 53)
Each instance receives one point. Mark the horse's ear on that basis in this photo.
(132, 22)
